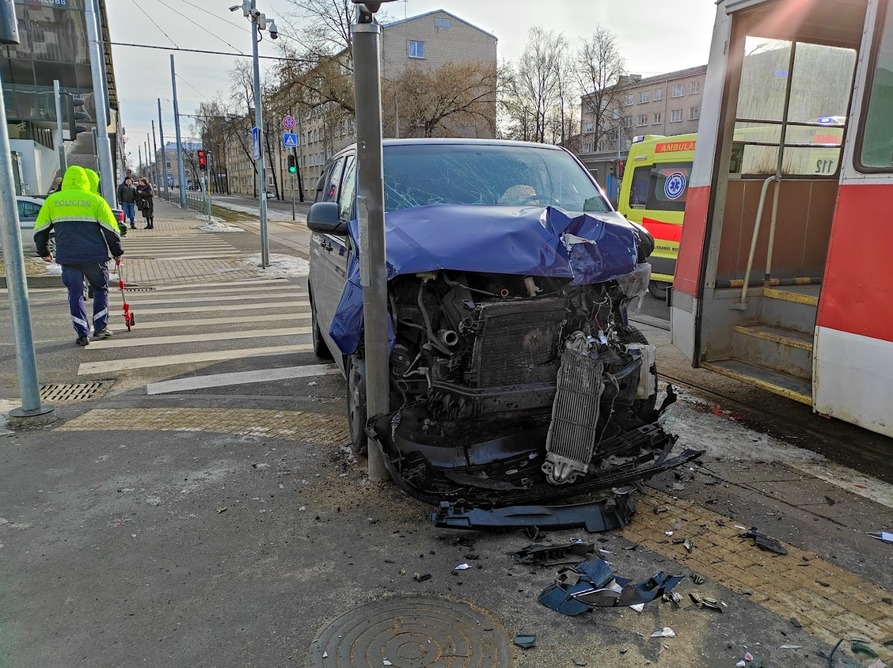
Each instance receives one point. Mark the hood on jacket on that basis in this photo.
(93, 178)
(76, 179)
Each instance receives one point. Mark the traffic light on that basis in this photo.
(292, 165)
(202, 161)
(621, 167)
(613, 170)
(73, 113)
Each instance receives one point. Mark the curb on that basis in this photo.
(38, 281)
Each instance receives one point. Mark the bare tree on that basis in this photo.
(516, 113)
(600, 68)
(538, 76)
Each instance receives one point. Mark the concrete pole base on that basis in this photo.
(21, 419)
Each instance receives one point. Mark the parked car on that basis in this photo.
(515, 375)
(29, 207)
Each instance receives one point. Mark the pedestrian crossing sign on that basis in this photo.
(290, 140)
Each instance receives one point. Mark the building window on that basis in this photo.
(627, 101)
(442, 23)
(695, 87)
(416, 49)
(643, 120)
(659, 95)
(694, 113)
(676, 116)
(657, 119)
(590, 126)
(678, 90)
(627, 121)
(643, 97)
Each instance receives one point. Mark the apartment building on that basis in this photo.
(666, 104)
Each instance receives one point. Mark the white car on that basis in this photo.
(28, 208)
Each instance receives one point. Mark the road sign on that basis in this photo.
(255, 138)
(290, 140)
(289, 122)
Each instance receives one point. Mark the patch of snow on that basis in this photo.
(219, 226)
(54, 269)
(280, 266)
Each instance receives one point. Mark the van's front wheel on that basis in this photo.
(658, 289)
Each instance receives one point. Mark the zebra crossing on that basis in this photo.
(197, 326)
(149, 246)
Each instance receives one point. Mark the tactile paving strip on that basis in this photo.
(412, 632)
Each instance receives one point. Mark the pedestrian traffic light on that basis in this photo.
(73, 113)
(202, 160)
(621, 167)
(613, 170)
(292, 165)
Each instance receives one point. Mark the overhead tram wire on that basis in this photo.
(208, 52)
(136, 4)
(180, 14)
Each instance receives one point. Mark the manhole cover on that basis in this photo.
(411, 633)
(77, 392)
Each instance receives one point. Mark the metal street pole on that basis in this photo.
(163, 152)
(60, 138)
(156, 174)
(103, 146)
(13, 257)
(366, 38)
(181, 168)
(259, 125)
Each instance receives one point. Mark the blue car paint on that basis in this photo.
(522, 241)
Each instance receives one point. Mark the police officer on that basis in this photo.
(86, 233)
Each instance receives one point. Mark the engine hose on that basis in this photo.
(428, 328)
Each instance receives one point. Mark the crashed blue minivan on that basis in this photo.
(515, 375)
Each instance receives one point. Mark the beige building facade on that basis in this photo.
(667, 104)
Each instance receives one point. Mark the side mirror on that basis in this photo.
(324, 217)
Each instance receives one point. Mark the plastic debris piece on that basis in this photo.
(741, 664)
(543, 554)
(639, 607)
(525, 640)
(665, 632)
(461, 567)
(859, 647)
(688, 545)
(678, 487)
(884, 536)
(877, 664)
(756, 662)
(325, 655)
(697, 578)
(421, 577)
(796, 622)
(765, 542)
(712, 604)
(668, 533)
(385, 662)
(661, 509)
(791, 647)
(673, 597)
(748, 656)
(580, 662)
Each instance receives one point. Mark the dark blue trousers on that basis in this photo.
(98, 276)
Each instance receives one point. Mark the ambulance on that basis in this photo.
(653, 191)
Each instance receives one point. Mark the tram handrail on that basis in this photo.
(742, 305)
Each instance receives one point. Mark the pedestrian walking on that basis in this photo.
(127, 198)
(145, 198)
(86, 234)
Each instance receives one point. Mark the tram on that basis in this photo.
(784, 278)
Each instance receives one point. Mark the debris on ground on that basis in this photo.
(665, 632)
(765, 542)
(593, 584)
(705, 602)
(540, 555)
(884, 536)
(525, 640)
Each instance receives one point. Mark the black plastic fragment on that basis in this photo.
(525, 640)
(545, 554)
(764, 542)
(613, 513)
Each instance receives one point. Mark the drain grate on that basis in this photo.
(412, 632)
(133, 288)
(77, 392)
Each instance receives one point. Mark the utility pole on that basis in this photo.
(163, 153)
(366, 37)
(60, 138)
(181, 168)
(103, 147)
(259, 23)
(13, 258)
(155, 155)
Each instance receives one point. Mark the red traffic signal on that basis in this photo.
(621, 167)
(202, 160)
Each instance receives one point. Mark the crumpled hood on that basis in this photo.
(75, 179)
(527, 241)
(524, 241)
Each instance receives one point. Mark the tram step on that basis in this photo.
(785, 350)
(792, 307)
(766, 379)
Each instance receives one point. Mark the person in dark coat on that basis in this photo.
(145, 201)
(127, 199)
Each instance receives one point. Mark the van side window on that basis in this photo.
(638, 193)
(348, 188)
(333, 182)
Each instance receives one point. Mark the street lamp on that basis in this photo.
(259, 23)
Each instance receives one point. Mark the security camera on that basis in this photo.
(274, 31)
(235, 8)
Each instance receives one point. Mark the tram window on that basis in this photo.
(876, 136)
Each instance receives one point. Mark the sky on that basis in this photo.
(654, 37)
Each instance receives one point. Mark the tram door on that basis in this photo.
(764, 185)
